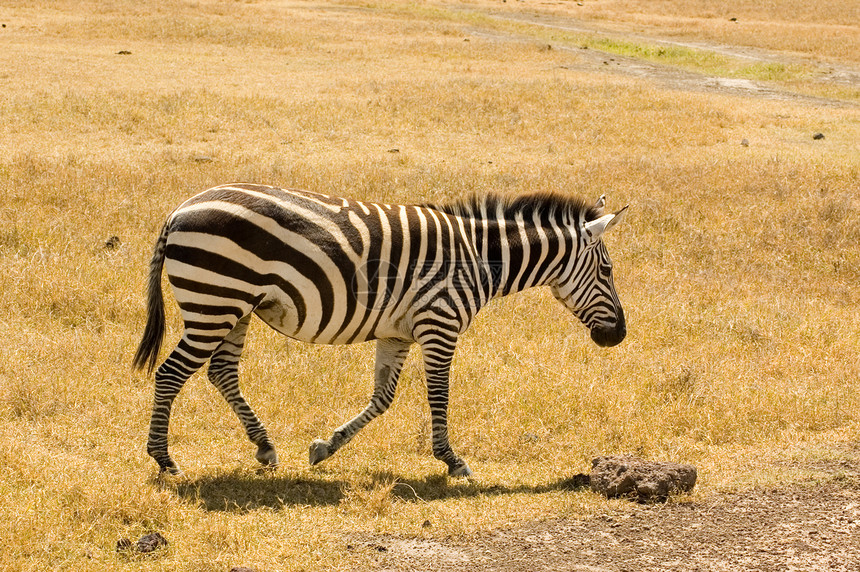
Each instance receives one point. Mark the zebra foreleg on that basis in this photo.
(224, 375)
(438, 354)
(390, 356)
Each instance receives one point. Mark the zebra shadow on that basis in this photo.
(241, 491)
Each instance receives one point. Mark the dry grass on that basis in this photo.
(738, 267)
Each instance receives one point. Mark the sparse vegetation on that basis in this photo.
(738, 267)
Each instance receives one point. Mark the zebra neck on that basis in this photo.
(519, 254)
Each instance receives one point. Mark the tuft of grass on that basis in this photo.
(373, 500)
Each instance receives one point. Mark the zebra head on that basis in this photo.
(585, 284)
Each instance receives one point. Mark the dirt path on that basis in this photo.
(676, 78)
(814, 526)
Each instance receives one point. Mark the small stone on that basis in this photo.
(151, 542)
(818, 136)
(203, 159)
(745, 142)
(123, 544)
(426, 524)
(394, 150)
(112, 243)
(123, 53)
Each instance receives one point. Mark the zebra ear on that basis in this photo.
(600, 204)
(594, 229)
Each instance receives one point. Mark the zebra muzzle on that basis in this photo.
(608, 335)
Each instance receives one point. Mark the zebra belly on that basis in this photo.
(281, 314)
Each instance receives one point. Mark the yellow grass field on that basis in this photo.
(738, 264)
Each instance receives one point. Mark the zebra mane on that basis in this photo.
(545, 203)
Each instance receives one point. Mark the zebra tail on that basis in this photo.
(153, 333)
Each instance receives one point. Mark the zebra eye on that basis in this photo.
(604, 268)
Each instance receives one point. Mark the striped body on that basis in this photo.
(329, 270)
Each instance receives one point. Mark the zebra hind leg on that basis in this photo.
(183, 361)
(390, 356)
(224, 375)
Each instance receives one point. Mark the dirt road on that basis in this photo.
(812, 526)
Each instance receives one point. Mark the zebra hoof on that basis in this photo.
(318, 452)
(267, 456)
(172, 469)
(460, 471)
(166, 465)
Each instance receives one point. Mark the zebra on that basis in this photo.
(330, 270)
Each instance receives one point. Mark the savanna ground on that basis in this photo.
(738, 265)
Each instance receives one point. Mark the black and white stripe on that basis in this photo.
(329, 270)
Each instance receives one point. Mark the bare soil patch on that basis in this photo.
(812, 525)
